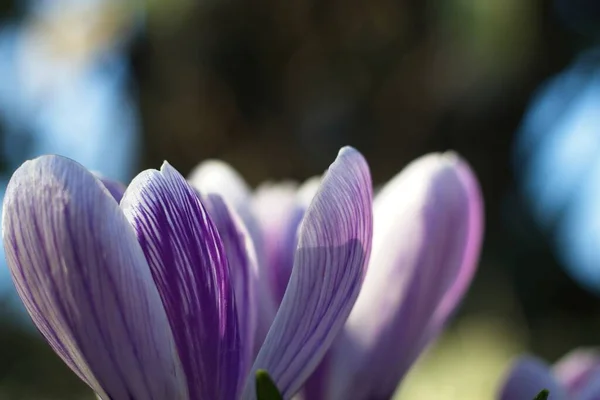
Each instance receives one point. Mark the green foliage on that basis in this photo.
(543, 395)
(265, 387)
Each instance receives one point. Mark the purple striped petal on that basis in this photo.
(576, 369)
(427, 234)
(279, 215)
(81, 273)
(330, 262)
(527, 377)
(213, 176)
(189, 266)
(243, 268)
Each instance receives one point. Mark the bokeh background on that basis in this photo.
(277, 87)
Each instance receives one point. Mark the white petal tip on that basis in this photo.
(451, 156)
(347, 150)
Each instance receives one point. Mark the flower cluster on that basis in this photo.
(175, 289)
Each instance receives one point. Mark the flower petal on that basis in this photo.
(213, 176)
(279, 215)
(84, 280)
(470, 256)
(427, 233)
(591, 389)
(576, 368)
(529, 376)
(330, 262)
(189, 266)
(464, 276)
(243, 267)
(115, 188)
(279, 209)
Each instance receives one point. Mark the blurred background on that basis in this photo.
(277, 87)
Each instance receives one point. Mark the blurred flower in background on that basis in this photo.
(64, 88)
(574, 377)
(558, 165)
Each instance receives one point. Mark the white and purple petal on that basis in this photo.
(84, 280)
(279, 215)
(279, 209)
(330, 262)
(243, 268)
(461, 281)
(213, 176)
(189, 266)
(115, 188)
(427, 234)
(527, 377)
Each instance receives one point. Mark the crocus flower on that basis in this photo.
(152, 297)
(574, 377)
(272, 216)
(427, 233)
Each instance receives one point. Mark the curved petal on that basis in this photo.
(427, 233)
(527, 377)
(279, 215)
(189, 266)
(115, 188)
(243, 267)
(330, 262)
(576, 368)
(279, 209)
(84, 280)
(470, 257)
(213, 176)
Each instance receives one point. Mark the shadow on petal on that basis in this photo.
(329, 266)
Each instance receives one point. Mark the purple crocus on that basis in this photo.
(427, 234)
(574, 377)
(154, 297)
